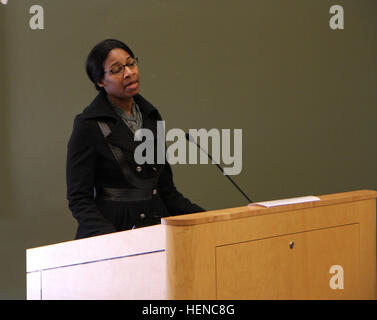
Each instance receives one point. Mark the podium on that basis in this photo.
(323, 249)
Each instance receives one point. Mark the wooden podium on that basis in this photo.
(315, 250)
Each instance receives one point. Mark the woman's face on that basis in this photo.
(121, 85)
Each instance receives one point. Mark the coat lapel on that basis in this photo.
(121, 135)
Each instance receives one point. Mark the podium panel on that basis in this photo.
(244, 252)
(294, 266)
(127, 265)
(122, 278)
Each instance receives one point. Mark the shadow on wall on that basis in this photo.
(5, 163)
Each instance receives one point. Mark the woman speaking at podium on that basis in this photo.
(107, 190)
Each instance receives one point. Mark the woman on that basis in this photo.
(106, 189)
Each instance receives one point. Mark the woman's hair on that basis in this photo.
(98, 55)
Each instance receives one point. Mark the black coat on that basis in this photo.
(92, 167)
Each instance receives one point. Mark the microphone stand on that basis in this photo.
(190, 139)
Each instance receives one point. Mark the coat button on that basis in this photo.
(142, 215)
(154, 192)
(154, 169)
(138, 169)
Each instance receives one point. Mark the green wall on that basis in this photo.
(304, 95)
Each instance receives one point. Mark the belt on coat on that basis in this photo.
(116, 194)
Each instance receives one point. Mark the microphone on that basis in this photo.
(191, 139)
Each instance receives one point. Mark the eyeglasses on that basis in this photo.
(119, 68)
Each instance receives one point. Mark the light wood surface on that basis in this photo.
(269, 268)
(251, 211)
(244, 253)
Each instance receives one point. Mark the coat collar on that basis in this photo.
(121, 135)
(100, 107)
